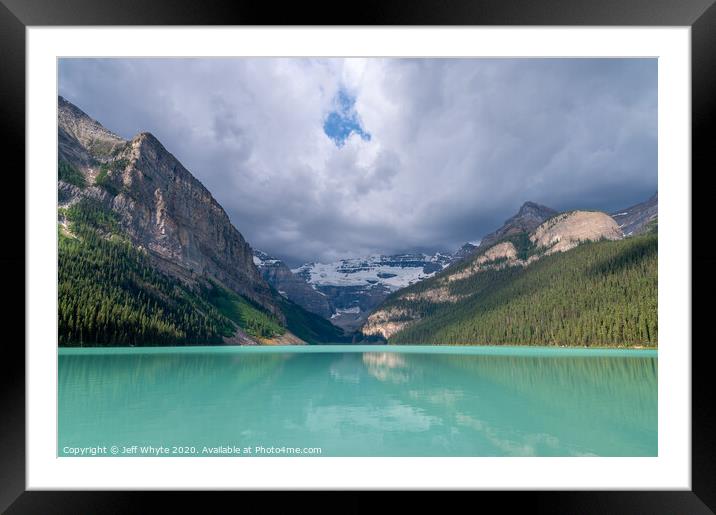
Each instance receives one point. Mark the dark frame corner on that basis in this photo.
(700, 15)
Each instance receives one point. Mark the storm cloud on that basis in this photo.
(317, 159)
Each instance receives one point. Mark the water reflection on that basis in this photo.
(371, 404)
(386, 366)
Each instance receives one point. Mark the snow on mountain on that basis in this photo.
(392, 272)
(262, 259)
(278, 275)
(637, 219)
(355, 287)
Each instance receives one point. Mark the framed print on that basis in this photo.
(420, 252)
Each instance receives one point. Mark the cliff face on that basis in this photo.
(277, 274)
(161, 206)
(567, 230)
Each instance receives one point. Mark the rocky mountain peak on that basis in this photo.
(535, 210)
(92, 135)
(528, 218)
(147, 139)
(161, 206)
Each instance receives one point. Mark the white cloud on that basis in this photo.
(456, 145)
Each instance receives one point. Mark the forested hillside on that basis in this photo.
(310, 327)
(600, 293)
(110, 294)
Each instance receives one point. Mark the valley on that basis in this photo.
(147, 256)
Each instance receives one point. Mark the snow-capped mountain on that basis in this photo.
(393, 272)
(356, 286)
(466, 250)
(348, 290)
(277, 274)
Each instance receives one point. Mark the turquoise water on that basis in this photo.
(357, 401)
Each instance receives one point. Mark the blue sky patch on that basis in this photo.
(344, 121)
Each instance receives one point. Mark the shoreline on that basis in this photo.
(487, 350)
(381, 345)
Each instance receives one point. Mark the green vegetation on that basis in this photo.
(115, 166)
(103, 180)
(89, 215)
(110, 294)
(308, 326)
(252, 319)
(104, 177)
(68, 173)
(255, 321)
(652, 227)
(102, 148)
(524, 246)
(598, 294)
(119, 149)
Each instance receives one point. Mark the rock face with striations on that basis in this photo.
(161, 206)
(84, 142)
(567, 230)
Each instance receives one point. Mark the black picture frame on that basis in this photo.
(16, 15)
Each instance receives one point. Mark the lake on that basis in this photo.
(357, 401)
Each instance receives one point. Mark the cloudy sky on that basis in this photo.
(316, 159)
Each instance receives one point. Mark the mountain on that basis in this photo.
(571, 280)
(637, 219)
(348, 290)
(354, 287)
(565, 231)
(146, 254)
(529, 216)
(597, 294)
(466, 250)
(83, 141)
(161, 206)
(295, 288)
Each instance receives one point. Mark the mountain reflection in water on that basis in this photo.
(421, 403)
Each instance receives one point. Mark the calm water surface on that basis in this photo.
(361, 400)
